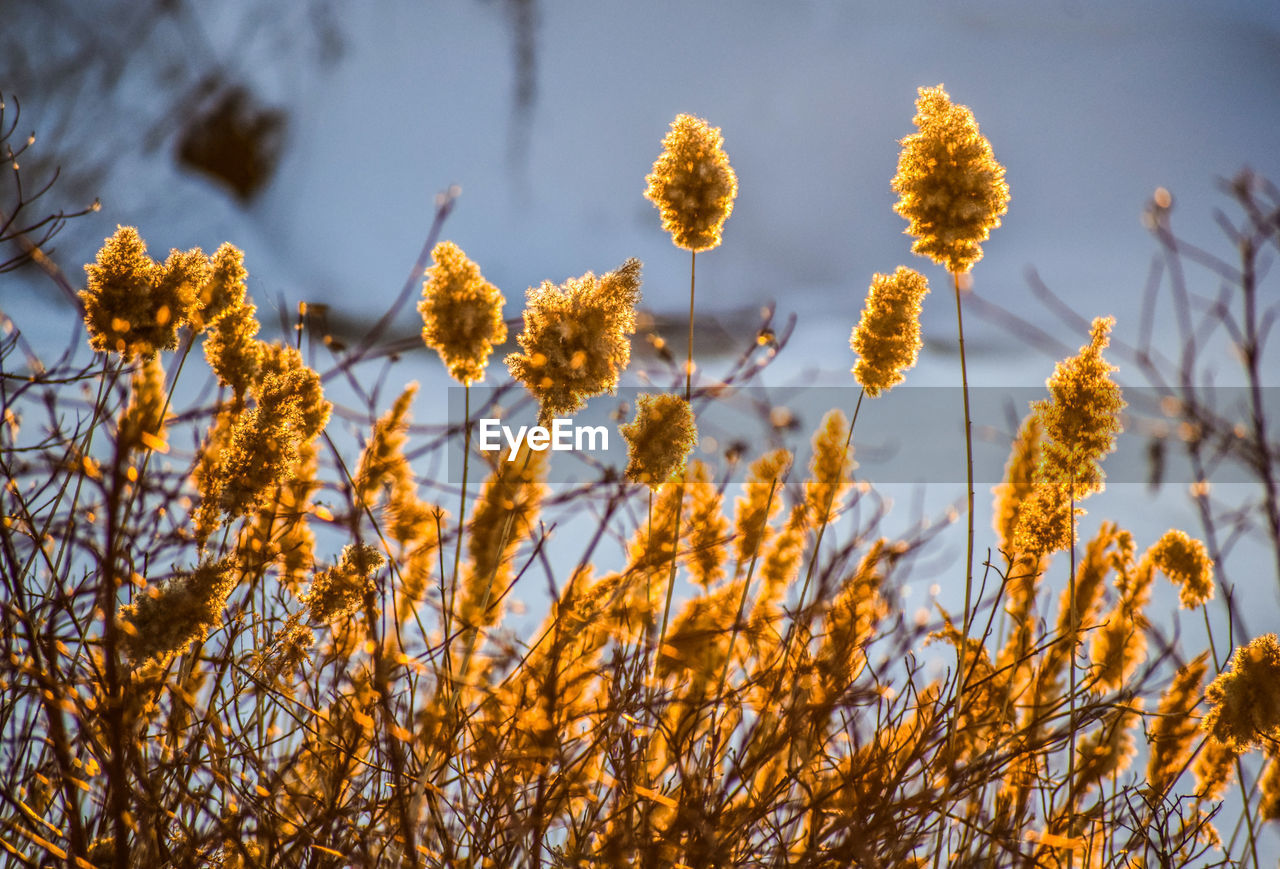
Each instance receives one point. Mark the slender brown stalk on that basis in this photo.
(968, 456)
(447, 605)
(688, 364)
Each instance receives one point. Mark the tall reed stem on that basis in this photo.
(968, 461)
(688, 364)
(462, 517)
(962, 646)
(1071, 698)
(675, 543)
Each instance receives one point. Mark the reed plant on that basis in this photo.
(230, 641)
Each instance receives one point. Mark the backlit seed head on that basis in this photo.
(1019, 482)
(178, 612)
(284, 378)
(692, 184)
(144, 416)
(231, 349)
(1081, 419)
(461, 313)
(223, 288)
(952, 190)
(1185, 561)
(576, 339)
(887, 338)
(1245, 699)
(133, 305)
(340, 590)
(659, 439)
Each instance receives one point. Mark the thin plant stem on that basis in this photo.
(1071, 660)
(688, 364)
(462, 518)
(671, 580)
(675, 543)
(961, 675)
(968, 456)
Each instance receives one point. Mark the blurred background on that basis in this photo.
(316, 135)
(316, 138)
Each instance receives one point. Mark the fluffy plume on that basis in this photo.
(830, 469)
(1120, 643)
(692, 184)
(1082, 416)
(1185, 561)
(133, 305)
(1080, 422)
(952, 190)
(1213, 769)
(1245, 700)
(285, 379)
(887, 338)
(659, 439)
(233, 351)
(505, 514)
(1175, 726)
(708, 527)
(1109, 749)
(461, 313)
(223, 288)
(1019, 481)
(142, 424)
(166, 619)
(577, 338)
(755, 508)
(340, 590)
(382, 460)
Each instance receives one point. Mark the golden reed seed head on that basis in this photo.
(761, 500)
(133, 305)
(1080, 422)
(887, 338)
(1245, 700)
(1213, 769)
(659, 439)
(285, 379)
(261, 454)
(708, 527)
(143, 419)
(1109, 749)
(692, 184)
(830, 469)
(461, 313)
(1269, 806)
(1082, 416)
(340, 590)
(506, 512)
(952, 190)
(1019, 482)
(1174, 727)
(222, 289)
(166, 619)
(1269, 784)
(781, 560)
(576, 339)
(232, 350)
(1185, 561)
(1044, 521)
(382, 460)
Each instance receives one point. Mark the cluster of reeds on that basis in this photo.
(227, 642)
